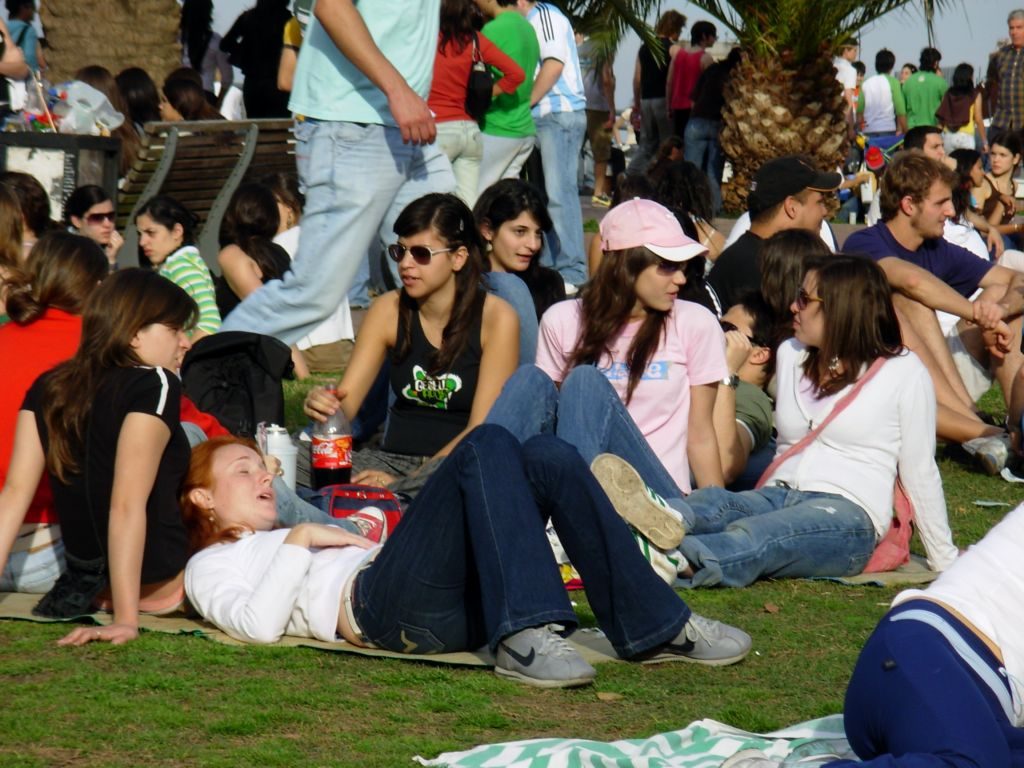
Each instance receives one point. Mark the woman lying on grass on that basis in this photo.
(470, 565)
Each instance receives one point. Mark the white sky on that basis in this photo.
(968, 33)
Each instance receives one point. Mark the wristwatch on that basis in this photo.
(732, 381)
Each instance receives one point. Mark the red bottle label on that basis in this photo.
(332, 452)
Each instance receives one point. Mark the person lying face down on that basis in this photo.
(939, 681)
(477, 530)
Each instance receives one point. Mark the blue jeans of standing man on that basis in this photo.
(585, 412)
(560, 138)
(702, 147)
(733, 539)
(655, 127)
(357, 178)
(470, 563)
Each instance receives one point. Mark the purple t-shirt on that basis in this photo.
(960, 269)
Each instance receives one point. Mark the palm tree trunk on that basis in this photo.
(775, 108)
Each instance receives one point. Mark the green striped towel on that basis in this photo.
(702, 744)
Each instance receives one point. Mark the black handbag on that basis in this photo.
(480, 87)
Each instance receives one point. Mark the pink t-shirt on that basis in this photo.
(692, 352)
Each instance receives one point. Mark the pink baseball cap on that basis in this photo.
(644, 222)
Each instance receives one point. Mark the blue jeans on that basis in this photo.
(701, 146)
(470, 563)
(357, 178)
(34, 572)
(913, 702)
(560, 138)
(586, 413)
(733, 539)
(655, 127)
(757, 463)
(509, 287)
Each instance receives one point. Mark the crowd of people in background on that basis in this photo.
(742, 405)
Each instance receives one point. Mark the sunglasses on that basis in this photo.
(727, 326)
(98, 218)
(421, 254)
(666, 267)
(803, 298)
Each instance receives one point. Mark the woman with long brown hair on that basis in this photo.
(11, 236)
(637, 369)
(450, 345)
(828, 497)
(45, 297)
(102, 79)
(105, 427)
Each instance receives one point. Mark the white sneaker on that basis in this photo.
(636, 503)
(665, 564)
(991, 452)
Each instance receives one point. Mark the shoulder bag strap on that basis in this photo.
(812, 435)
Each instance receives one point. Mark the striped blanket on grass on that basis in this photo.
(702, 744)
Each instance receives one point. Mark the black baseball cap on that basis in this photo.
(784, 176)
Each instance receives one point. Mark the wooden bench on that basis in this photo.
(201, 164)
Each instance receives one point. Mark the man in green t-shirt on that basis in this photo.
(923, 91)
(508, 131)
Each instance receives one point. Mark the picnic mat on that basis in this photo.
(591, 644)
(702, 744)
(908, 574)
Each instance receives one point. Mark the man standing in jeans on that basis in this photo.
(559, 113)
(364, 151)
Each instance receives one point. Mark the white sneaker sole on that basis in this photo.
(519, 677)
(629, 495)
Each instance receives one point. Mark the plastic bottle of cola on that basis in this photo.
(331, 451)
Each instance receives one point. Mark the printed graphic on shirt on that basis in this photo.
(657, 370)
(432, 391)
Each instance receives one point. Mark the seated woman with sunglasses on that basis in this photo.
(450, 345)
(469, 566)
(827, 499)
(89, 212)
(637, 370)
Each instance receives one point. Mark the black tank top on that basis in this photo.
(430, 410)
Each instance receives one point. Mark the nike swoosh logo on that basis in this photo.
(524, 660)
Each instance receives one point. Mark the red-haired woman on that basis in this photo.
(469, 565)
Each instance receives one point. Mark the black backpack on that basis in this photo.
(236, 376)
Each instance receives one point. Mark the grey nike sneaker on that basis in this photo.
(540, 657)
(636, 502)
(703, 641)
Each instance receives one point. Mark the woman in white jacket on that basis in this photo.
(821, 510)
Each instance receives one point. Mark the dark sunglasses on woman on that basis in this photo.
(421, 254)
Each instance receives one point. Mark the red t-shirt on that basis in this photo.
(447, 97)
(29, 351)
(685, 73)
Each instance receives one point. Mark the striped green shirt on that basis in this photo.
(186, 269)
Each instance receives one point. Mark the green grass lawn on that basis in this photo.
(169, 701)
